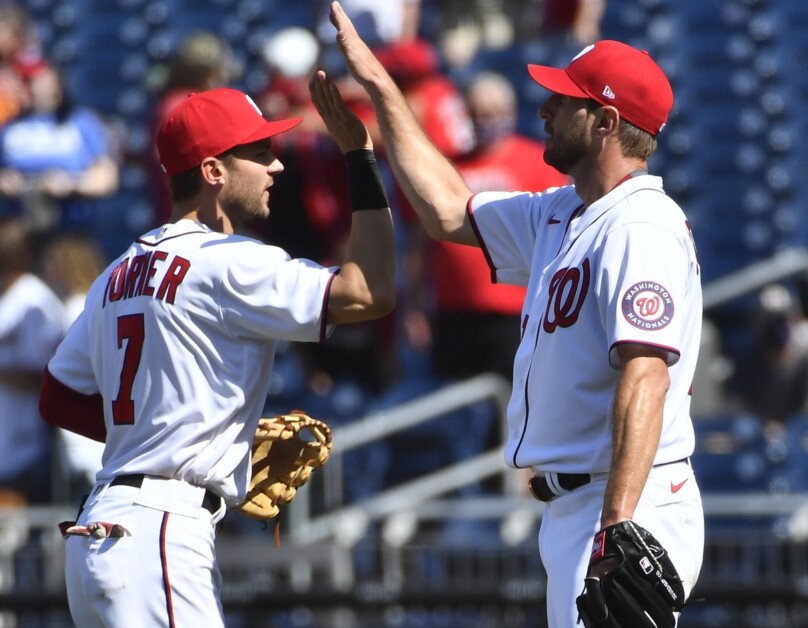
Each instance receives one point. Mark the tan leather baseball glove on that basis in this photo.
(286, 449)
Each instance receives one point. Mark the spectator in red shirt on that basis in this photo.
(433, 96)
(472, 324)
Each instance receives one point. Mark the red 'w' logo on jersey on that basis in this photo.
(568, 289)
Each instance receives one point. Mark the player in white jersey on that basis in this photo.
(612, 317)
(170, 361)
(30, 330)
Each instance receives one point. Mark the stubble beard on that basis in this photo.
(567, 149)
(241, 204)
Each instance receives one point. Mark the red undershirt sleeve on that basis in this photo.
(63, 407)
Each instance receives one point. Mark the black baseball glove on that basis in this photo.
(631, 582)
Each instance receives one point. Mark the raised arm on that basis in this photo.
(432, 185)
(364, 289)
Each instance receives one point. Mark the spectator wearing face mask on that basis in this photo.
(469, 324)
(770, 379)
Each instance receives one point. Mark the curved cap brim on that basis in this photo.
(271, 128)
(555, 80)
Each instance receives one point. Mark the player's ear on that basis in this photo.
(213, 170)
(607, 120)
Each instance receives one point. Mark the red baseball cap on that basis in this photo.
(209, 123)
(614, 73)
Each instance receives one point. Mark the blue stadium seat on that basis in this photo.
(730, 454)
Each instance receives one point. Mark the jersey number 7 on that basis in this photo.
(132, 330)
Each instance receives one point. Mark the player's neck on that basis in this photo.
(215, 220)
(604, 176)
(637, 172)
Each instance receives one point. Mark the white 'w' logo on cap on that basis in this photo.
(607, 91)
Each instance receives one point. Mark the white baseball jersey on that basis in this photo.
(30, 330)
(179, 336)
(624, 270)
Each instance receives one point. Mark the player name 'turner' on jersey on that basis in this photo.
(136, 277)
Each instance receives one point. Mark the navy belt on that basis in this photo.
(210, 502)
(541, 490)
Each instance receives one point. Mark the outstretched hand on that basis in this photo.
(344, 126)
(359, 59)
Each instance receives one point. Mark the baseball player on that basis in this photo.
(610, 324)
(170, 361)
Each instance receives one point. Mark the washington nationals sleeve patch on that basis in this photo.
(648, 305)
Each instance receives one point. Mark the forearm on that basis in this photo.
(365, 286)
(430, 182)
(99, 180)
(433, 187)
(636, 429)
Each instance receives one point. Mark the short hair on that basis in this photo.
(187, 184)
(634, 142)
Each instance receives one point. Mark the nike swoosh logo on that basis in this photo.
(553, 220)
(675, 488)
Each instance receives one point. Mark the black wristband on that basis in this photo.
(365, 187)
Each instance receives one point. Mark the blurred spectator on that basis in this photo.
(55, 158)
(474, 325)
(461, 28)
(202, 61)
(563, 27)
(432, 95)
(577, 22)
(310, 218)
(30, 329)
(289, 57)
(70, 265)
(379, 23)
(19, 57)
(770, 380)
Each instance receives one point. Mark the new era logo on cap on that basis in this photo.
(613, 73)
(210, 123)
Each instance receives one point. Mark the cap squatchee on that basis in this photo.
(614, 73)
(209, 123)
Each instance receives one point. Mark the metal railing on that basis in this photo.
(753, 277)
(387, 423)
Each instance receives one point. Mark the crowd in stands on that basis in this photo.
(61, 160)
